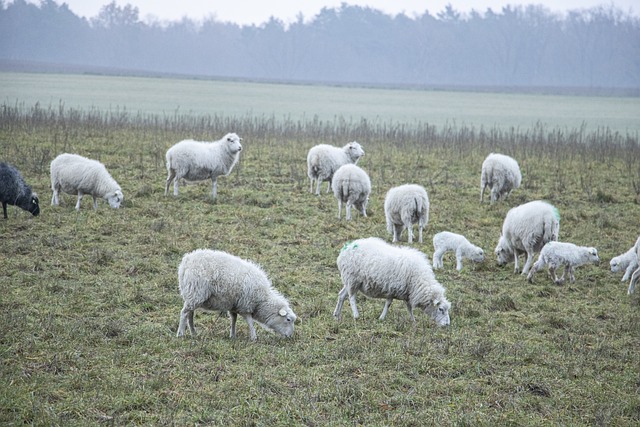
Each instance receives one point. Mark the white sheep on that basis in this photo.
(558, 254)
(219, 281)
(501, 174)
(526, 229)
(380, 270)
(351, 185)
(627, 262)
(74, 174)
(197, 161)
(15, 191)
(404, 206)
(636, 274)
(446, 241)
(324, 160)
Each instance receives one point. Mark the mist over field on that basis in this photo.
(515, 48)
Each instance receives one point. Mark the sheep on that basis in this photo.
(380, 270)
(219, 281)
(636, 274)
(526, 229)
(324, 160)
(446, 241)
(15, 191)
(557, 254)
(351, 185)
(74, 174)
(196, 161)
(501, 174)
(404, 206)
(627, 262)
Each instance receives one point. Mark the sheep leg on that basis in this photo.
(536, 266)
(233, 317)
(515, 262)
(628, 272)
(410, 233)
(340, 209)
(318, 184)
(458, 260)
(437, 258)
(632, 284)
(310, 185)
(387, 304)
(397, 230)
(4, 209)
(252, 329)
(214, 191)
(337, 313)
(95, 203)
(185, 314)
(482, 187)
(329, 185)
(170, 177)
(527, 265)
(410, 309)
(354, 308)
(348, 209)
(55, 199)
(80, 195)
(572, 277)
(420, 227)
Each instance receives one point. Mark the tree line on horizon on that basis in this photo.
(519, 46)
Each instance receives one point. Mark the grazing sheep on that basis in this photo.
(380, 270)
(351, 185)
(627, 262)
(404, 206)
(557, 254)
(501, 174)
(15, 191)
(636, 274)
(218, 281)
(74, 174)
(196, 161)
(526, 229)
(446, 241)
(324, 160)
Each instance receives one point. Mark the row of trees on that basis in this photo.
(518, 46)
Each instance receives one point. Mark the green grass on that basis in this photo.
(167, 96)
(90, 305)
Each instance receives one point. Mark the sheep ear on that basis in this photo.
(283, 312)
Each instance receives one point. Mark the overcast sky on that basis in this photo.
(259, 11)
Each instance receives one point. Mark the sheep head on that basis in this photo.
(115, 198)
(504, 252)
(34, 205)
(233, 141)
(282, 322)
(439, 311)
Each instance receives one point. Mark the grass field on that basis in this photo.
(90, 305)
(166, 96)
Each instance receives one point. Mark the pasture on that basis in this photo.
(90, 305)
(169, 96)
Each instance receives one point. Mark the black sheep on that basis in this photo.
(14, 191)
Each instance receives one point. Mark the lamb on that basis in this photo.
(351, 185)
(557, 254)
(627, 262)
(219, 281)
(196, 161)
(404, 206)
(324, 160)
(15, 191)
(526, 229)
(380, 270)
(501, 174)
(446, 241)
(74, 174)
(636, 274)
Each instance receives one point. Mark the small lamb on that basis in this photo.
(351, 185)
(219, 281)
(324, 160)
(557, 254)
(501, 174)
(446, 241)
(636, 274)
(404, 206)
(380, 270)
(196, 161)
(627, 262)
(15, 191)
(525, 230)
(74, 174)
